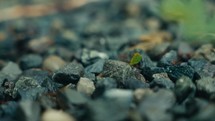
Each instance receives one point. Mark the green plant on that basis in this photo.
(194, 21)
(136, 58)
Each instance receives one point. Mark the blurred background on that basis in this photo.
(44, 26)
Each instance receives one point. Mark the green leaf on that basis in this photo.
(135, 59)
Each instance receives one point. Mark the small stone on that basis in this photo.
(85, 86)
(40, 45)
(70, 73)
(12, 70)
(103, 84)
(205, 86)
(206, 51)
(132, 83)
(120, 95)
(159, 50)
(32, 84)
(96, 67)
(73, 97)
(90, 56)
(154, 107)
(206, 113)
(47, 101)
(107, 83)
(162, 80)
(176, 72)
(139, 94)
(64, 53)
(30, 61)
(56, 115)
(53, 63)
(170, 58)
(120, 71)
(184, 88)
(107, 110)
(28, 111)
(185, 51)
(8, 108)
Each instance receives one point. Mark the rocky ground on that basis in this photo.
(82, 65)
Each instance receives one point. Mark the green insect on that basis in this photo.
(135, 59)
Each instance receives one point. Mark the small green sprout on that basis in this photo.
(135, 59)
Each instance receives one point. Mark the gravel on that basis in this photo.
(76, 66)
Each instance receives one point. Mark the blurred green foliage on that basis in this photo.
(195, 23)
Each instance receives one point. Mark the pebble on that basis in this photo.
(120, 71)
(28, 111)
(205, 86)
(159, 50)
(90, 56)
(119, 94)
(56, 115)
(53, 63)
(132, 83)
(73, 97)
(112, 107)
(185, 51)
(97, 67)
(184, 88)
(12, 70)
(85, 86)
(30, 61)
(70, 73)
(154, 107)
(170, 58)
(139, 94)
(176, 72)
(40, 45)
(162, 80)
(32, 84)
(206, 51)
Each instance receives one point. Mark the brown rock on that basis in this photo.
(40, 45)
(53, 63)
